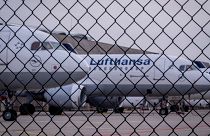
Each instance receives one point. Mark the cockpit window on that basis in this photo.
(57, 46)
(69, 47)
(46, 46)
(191, 67)
(35, 46)
(187, 67)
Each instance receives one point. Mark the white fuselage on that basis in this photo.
(29, 60)
(138, 75)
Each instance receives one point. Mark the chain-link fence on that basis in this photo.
(104, 67)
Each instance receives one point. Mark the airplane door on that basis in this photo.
(4, 36)
(159, 69)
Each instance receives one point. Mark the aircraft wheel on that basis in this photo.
(55, 110)
(101, 110)
(121, 109)
(9, 115)
(27, 109)
(163, 111)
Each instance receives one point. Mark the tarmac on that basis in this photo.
(89, 123)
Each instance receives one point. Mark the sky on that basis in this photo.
(172, 27)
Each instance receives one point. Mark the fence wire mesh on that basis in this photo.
(104, 67)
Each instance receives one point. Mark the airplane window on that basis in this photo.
(46, 46)
(57, 46)
(191, 67)
(187, 67)
(199, 64)
(69, 47)
(35, 46)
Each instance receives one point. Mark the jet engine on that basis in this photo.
(103, 103)
(68, 97)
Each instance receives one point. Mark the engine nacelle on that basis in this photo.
(69, 96)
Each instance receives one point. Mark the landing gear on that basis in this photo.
(9, 114)
(55, 110)
(186, 108)
(26, 109)
(163, 107)
(163, 111)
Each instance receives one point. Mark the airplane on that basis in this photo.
(131, 75)
(118, 103)
(199, 99)
(139, 75)
(31, 60)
